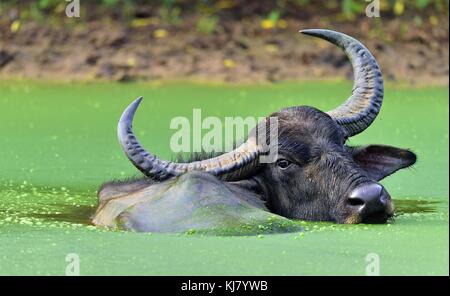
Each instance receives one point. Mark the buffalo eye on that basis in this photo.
(283, 163)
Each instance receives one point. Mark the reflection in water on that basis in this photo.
(32, 205)
(82, 214)
(415, 206)
(69, 214)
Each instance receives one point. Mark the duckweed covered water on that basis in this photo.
(59, 144)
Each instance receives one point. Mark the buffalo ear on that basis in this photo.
(380, 161)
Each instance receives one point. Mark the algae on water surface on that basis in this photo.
(59, 144)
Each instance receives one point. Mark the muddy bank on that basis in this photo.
(241, 51)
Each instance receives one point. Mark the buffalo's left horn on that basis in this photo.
(229, 166)
(362, 107)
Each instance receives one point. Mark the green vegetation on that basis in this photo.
(212, 16)
(170, 10)
(59, 144)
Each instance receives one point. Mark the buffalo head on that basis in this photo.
(316, 175)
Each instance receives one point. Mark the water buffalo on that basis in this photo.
(316, 176)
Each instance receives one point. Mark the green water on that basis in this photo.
(58, 144)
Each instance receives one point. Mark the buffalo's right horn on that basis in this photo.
(229, 166)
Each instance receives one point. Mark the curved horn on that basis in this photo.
(228, 166)
(362, 107)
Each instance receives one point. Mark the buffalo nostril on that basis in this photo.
(355, 202)
(369, 198)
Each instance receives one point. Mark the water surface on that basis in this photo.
(58, 144)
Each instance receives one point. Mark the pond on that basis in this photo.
(58, 144)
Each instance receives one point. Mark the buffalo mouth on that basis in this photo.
(377, 218)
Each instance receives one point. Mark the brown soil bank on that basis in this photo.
(237, 51)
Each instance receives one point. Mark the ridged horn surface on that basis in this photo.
(363, 106)
(228, 166)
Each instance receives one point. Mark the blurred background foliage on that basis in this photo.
(214, 11)
(217, 37)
